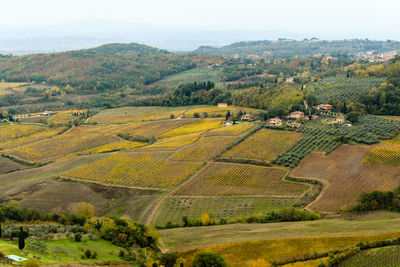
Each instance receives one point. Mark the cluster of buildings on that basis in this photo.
(33, 115)
(371, 56)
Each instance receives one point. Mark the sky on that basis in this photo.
(358, 17)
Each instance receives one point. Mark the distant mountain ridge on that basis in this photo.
(131, 49)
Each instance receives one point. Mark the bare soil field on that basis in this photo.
(345, 176)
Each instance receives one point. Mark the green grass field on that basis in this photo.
(174, 208)
(370, 223)
(66, 251)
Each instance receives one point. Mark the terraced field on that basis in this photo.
(263, 145)
(231, 179)
(136, 169)
(174, 208)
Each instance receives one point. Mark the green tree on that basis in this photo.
(208, 259)
(169, 259)
(21, 238)
(228, 114)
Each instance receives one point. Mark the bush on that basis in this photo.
(78, 237)
(169, 259)
(208, 259)
(32, 263)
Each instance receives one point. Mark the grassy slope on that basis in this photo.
(105, 250)
(185, 238)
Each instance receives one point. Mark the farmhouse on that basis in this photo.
(324, 107)
(228, 123)
(275, 121)
(339, 120)
(48, 113)
(79, 112)
(222, 105)
(246, 117)
(296, 115)
(295, 125)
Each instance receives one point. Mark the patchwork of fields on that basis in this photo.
(198, 165)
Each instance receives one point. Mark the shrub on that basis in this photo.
(78, 237)
(32, 263)
(169, 259)
(208, 259)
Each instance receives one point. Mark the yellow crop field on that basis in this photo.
(140, 169)
(214, 111)
(245, 253)
(233, 130)
(175, 142)
(263, 145)
(120, 145)
(397, 118)
(6, 87)
(155, 128)
(61, 118)
(59, 146)
(35, 137)
(11, 131)
(232, 179)
(135, 114)
(195, 127)
(204, 149)
(387, 152)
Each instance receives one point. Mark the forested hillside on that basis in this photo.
(99, 69)
(285, 48)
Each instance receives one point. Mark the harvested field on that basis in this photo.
(231, 179)
(345, 176)
(7, 165)
(264, 145)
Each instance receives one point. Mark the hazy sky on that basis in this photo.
(361, 17)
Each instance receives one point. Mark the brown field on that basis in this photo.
(231, 179)
(263, 145)
(345, 176)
